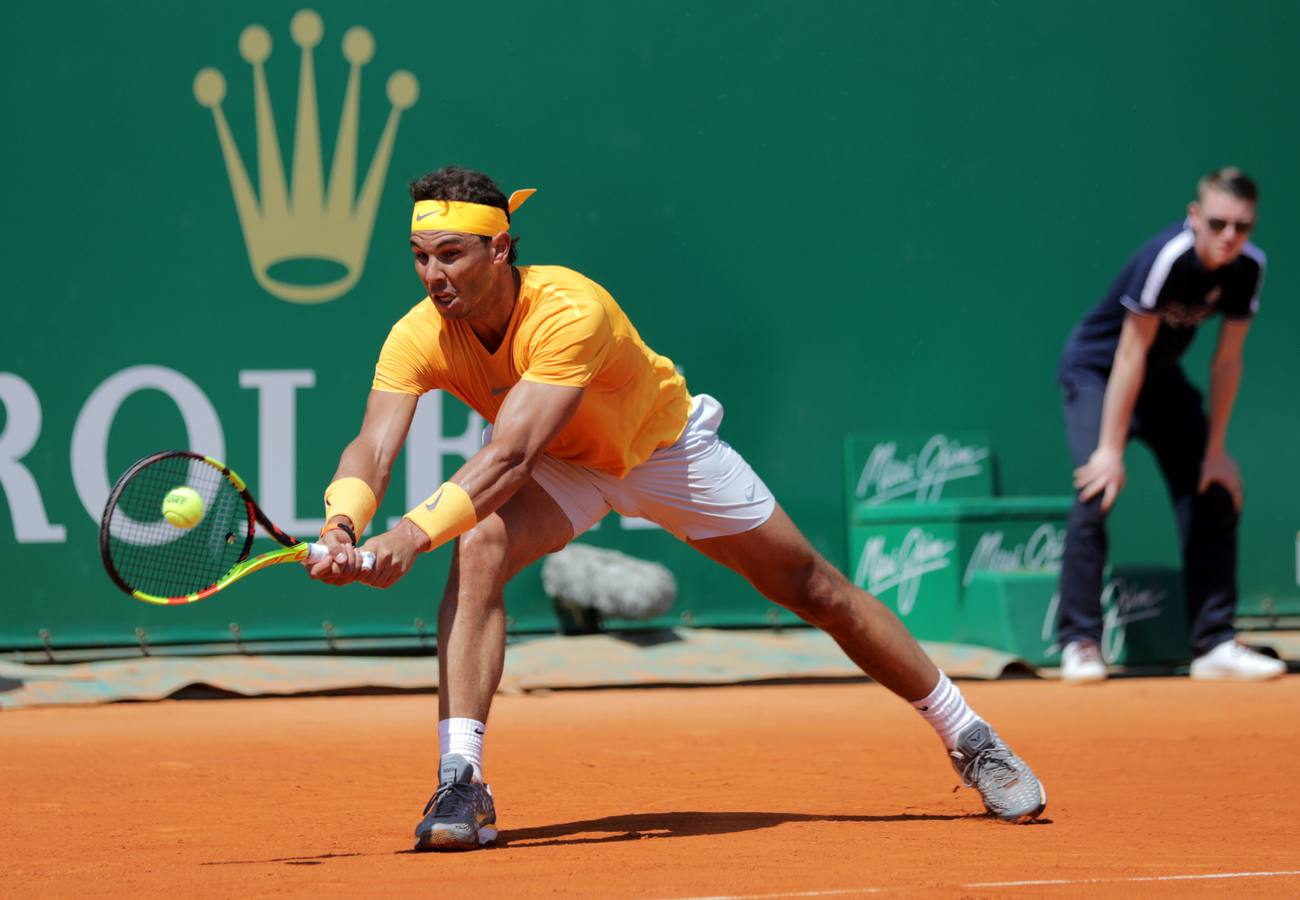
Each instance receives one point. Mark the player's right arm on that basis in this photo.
(1104, 473)
(369, 457)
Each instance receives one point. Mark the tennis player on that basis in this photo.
(585, 418)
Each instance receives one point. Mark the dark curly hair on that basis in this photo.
(467, 186)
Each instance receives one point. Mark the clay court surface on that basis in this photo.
(830, 790)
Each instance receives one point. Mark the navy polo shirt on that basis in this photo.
(1166, 279)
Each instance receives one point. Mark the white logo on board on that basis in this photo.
(880, 570)
(885, 477)
(1043, 550)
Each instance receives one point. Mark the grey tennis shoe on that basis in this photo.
(1008, 786)
(460, 815)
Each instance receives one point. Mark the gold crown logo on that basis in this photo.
(302, 221)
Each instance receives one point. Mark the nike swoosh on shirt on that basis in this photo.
(496, 391)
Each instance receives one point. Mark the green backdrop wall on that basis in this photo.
(835, 217)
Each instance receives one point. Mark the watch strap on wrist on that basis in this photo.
(340, 526)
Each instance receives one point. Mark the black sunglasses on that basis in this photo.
(1217, 225)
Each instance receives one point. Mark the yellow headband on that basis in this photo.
(468, 218)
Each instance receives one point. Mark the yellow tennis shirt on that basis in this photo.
(565, 329)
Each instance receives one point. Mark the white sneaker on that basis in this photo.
(1081, 663)
(1233, 661)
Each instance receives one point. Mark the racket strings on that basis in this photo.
(156, 557)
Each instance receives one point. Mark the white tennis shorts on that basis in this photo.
(698, 488)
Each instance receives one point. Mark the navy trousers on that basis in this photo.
(1170, 419)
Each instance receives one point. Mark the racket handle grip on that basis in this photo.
(317, 552)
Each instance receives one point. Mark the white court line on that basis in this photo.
(1289, 873)
(1204, 877)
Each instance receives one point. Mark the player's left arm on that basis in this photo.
(532, 415)
(530, 418)
(1225, 378)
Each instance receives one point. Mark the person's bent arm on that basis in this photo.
(532, 415)
(1225, 378)
(1103, 473)
(368, 458)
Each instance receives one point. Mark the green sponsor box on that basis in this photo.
(1144, 615)
(918, 558)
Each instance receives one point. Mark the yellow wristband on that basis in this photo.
(445, 515)
(353, 498)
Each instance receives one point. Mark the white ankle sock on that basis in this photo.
(463, 736)
(946, 711)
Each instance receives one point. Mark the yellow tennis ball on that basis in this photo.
(183, 507)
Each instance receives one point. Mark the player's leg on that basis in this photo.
(779, 562)
(471, 621)
(1079, 615)
(461, 814)
(1173, 424)
(777, 559)
(704, 492)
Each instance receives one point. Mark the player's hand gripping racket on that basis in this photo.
(178, 527)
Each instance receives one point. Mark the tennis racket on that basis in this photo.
(178, 527)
